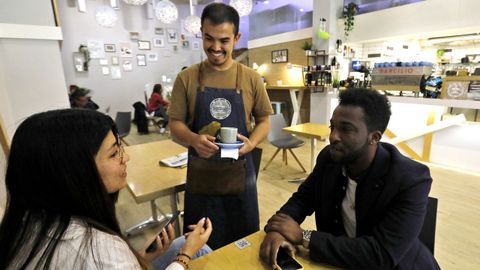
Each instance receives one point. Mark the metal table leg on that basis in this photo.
(154, 220)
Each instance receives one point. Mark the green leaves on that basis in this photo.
(349, 12)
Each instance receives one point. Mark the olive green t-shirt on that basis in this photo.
(255, 98)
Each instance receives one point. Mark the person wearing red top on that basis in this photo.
(158, 104)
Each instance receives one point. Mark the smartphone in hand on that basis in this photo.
(285, 261)
(153, 246)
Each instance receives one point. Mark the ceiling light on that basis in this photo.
(135, 2)
(437, 40)
(106, 16)
(243, 7)
(192, 22)
(302, 10)
(266, 2)
(166, 11)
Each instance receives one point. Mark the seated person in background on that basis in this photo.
(64, 172)
(369, 200)
(158, 105)
(79, 98)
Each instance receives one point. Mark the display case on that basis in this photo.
(456, 68)
(461, 87)
(317, 72)
(399, 78)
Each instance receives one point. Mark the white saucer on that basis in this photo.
(238, 144)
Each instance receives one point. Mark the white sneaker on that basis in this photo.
(162, 130)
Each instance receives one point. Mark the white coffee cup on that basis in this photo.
(228, 134)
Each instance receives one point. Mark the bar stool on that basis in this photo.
(277, 108)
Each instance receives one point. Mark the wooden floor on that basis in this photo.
(458, 241)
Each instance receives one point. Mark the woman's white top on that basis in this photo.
(103, 251)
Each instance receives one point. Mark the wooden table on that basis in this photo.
(313, 131)
(296, 103)
(231, 257)
(147, 180)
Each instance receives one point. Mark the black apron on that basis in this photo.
(232, 216)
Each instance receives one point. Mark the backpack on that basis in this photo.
(140, 119)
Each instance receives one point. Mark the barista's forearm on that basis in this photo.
(181, 132)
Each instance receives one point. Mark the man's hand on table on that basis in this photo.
(270, 245)
(286, 226)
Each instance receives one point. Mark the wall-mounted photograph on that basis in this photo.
(158, 42)
(134, 35)
(172, 35)
(127, 65)
(144, 45)
(141, 60)
(109, 48)
(152, 57)
(195, 45)
(125, 50)
(280, 56)
(115, 60)
(159, 31)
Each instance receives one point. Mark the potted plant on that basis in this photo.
(83, 49)
(307, 47)
(349, 12)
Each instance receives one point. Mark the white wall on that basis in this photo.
(429, 18)
(31, 70)
(119, 95)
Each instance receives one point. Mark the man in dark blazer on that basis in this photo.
(369, 200)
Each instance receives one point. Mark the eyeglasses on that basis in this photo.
(120, 153)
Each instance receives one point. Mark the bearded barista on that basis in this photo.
(220, 89)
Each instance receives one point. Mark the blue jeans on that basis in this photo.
(167, 258)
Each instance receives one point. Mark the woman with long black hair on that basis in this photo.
(64, 172)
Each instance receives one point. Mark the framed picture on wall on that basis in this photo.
(125, 50)
(141, 60)
(115, 60)
(280, 56)
(134, 36)
(144, 45)
(159, 31)
(158, 42)
(196, 45)
(127, 65)
(152, 57)
(109, 48)
(172, 35)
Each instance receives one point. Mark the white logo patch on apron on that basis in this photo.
(220, 108)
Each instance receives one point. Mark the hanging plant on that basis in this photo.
(86, 53)
(349, 12)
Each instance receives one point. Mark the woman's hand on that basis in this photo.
(163, 243)
(198, 237)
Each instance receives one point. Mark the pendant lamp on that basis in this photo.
(135, 2)
(166, 11)
(106, 16)
(192, 22)
(243, 7)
